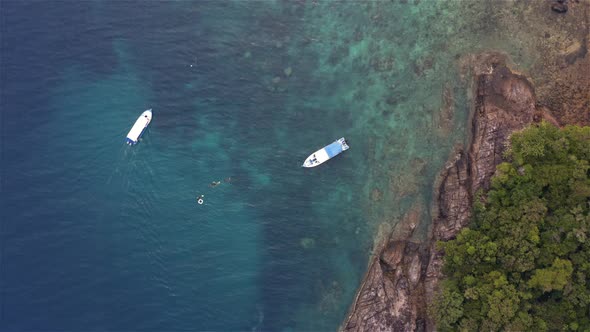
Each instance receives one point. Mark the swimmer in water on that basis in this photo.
(200, 199)
(214, 184)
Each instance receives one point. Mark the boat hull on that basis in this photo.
(139, 127)
(326, 153)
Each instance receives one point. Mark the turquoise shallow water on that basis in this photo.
(102, 236)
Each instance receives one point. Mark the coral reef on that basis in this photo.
(404, 273)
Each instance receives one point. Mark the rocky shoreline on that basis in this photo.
(403, 276)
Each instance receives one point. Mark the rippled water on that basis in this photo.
(97, 235)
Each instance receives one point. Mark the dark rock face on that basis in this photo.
(402, 279)
(559, 7)
(505, 102)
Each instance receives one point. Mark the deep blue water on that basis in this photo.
(97, 235)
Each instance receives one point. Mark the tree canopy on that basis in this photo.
(524, 261)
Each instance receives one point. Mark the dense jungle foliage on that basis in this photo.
(524, 261)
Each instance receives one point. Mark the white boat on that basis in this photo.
(326, 153)
(139, 127)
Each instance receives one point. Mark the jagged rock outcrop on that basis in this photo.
(403, 276)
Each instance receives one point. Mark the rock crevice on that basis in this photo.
(403, 276)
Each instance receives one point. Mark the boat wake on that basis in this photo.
(258, 326)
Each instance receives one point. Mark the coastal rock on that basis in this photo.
(559, 7)
(505, 102)
(562, 75)
(576, 50)
(402, 278)
(452, 206)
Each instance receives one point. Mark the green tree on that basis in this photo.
(524, 262)
(449, 302)
(554, 277)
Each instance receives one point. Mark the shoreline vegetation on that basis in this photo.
(524, 260)
(404, 276)
(406, 273)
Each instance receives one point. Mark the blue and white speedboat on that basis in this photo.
(139, 127)
(326, 153)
